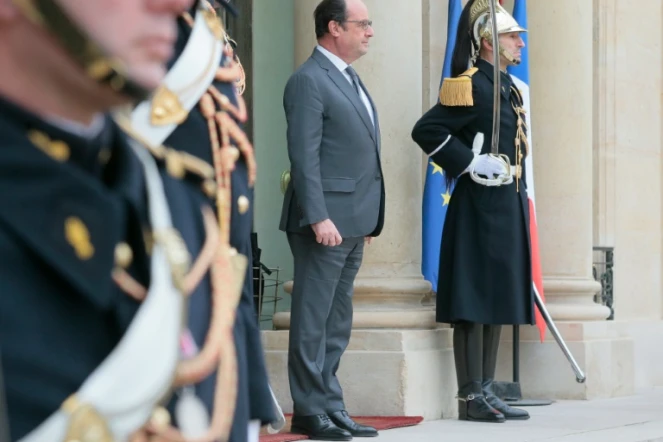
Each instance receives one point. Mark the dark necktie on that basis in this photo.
(354, 77)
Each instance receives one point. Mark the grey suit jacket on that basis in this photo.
(334, 152)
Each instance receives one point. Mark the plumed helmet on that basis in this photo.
(481, 22)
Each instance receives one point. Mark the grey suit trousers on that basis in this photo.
(320, 320)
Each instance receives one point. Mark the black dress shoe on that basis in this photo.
(318, 427)
(343, 420)
(475, 408)
(509, 413)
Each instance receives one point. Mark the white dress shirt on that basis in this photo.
(341, 66)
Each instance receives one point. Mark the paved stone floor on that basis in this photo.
(636, 418)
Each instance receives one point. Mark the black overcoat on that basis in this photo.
(485, 266)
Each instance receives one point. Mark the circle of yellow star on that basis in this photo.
(436, 169)
(446, 197)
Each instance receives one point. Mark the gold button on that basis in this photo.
(243, 204)
(209, 187)
(123, 255)
(78, 237)
(160, 418)
(174, 164)
(104, 156)
(234, 153)
(59, 150)
(285, 180)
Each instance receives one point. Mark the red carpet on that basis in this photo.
(379, 422)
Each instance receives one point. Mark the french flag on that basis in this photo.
(520, 75)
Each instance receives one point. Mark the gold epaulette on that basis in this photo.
(458, 91)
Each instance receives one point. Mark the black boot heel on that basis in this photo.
(475, 408)
(462, 410)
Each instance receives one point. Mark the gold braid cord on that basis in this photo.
(227, 275)
(521, 131)
(228, 269)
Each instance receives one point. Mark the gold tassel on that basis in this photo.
(458, 91)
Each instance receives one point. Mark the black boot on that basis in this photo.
(491, 342)
(472, 405)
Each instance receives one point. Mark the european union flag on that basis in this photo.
(436, 196)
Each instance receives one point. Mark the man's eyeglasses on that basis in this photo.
(364, 24)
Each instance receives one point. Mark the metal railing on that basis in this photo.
(602, 269)
(266, 286)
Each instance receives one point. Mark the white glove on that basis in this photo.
(488, 166)
(485, 164)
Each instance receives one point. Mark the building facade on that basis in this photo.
(597, 104)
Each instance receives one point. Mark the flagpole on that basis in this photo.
(511, 392)
(516, 354)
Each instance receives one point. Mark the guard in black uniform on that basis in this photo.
(75, 232)
(485, 251)
(199, 135)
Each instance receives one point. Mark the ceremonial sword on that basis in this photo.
(497, 83)
(507, 177)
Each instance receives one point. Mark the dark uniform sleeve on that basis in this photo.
(442, 122)
(4, 422)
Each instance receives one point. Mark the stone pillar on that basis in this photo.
(562, 78)
(389, 288)
(394, 329)
(562, 69)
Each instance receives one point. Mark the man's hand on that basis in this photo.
(326, 233)
(368, 240)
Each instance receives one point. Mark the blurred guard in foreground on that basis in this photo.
(84, 222)
(196, 115)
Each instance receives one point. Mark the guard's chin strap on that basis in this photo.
(510, 58)
(98, 65)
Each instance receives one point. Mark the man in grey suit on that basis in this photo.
(334, 203)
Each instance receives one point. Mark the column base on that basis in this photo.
(383, 372)
(396, 302)
(572, 299)
(601, 349)
(424, 318)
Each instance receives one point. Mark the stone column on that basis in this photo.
(562, 73)
(394, 332)
(562, 69)
(389, 288)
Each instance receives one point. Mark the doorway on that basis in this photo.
(264, 33)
